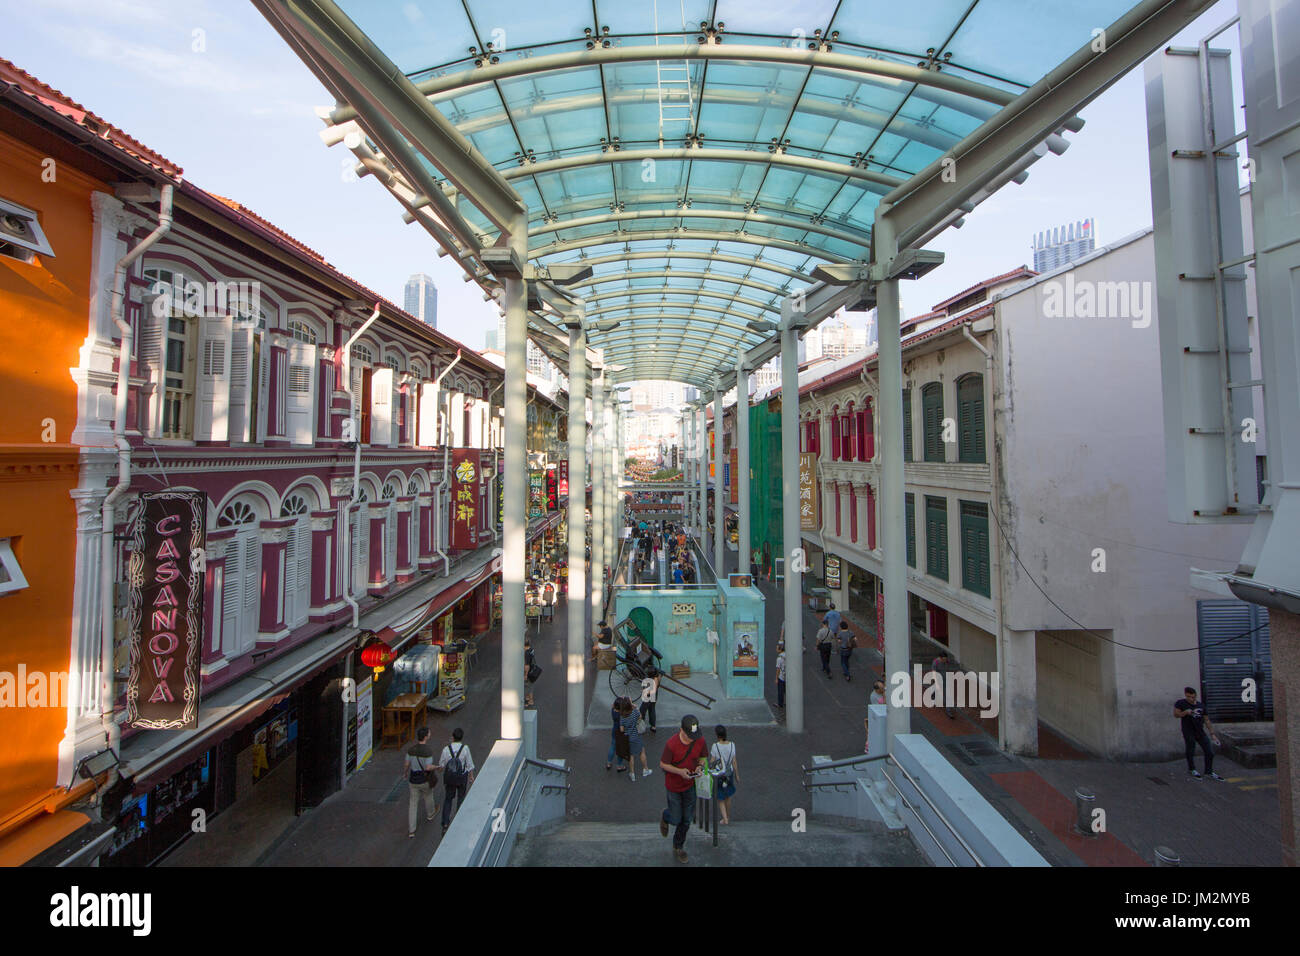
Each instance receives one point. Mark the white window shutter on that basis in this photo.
(361, 553)
(252, 589)
(231, 598)
(390, 544)
(300, 403)
(304, 568)
(263, 386)
(241, 373)
(297, 574)
(212, 391)
(381, 406)
(428, 435)
(152, 344)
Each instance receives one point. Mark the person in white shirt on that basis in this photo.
(722, 757)
(457, 774)
(780, 676)
(649, 697)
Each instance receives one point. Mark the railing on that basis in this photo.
(911, 808)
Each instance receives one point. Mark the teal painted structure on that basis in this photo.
(684, 616)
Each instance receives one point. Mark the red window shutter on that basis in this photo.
(835, 437)
(837, 509)
(869, 432)
(871, 518)
(846, 438)
(853, 513)
(817, 434)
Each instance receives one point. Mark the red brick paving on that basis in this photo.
(1050, 807)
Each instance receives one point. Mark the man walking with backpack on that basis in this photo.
(457, 774)
(824, 644)
(421, 778)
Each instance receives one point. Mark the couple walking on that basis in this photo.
(625, 741)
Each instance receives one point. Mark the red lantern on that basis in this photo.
(376, 655)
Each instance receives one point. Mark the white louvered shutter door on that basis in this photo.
(231, 598)
(390, 544)
(252, 569)
(263, 386)
(304, 568)
(212, 390)
(241, 372)
(381, 406)
(152, 343)
(361, 555)
(301, 396)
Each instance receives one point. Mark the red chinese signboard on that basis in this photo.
(165, 610)
(552, 504)
(735, 480)
(564, 478)
(465, 479)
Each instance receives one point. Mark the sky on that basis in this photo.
(212, 87)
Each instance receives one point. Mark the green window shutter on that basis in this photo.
(907, 424)
(936, 537)
(975, 547)
(970, 419)
(932, 421)
(910, 510)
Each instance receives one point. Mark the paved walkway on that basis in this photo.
(1230, 823)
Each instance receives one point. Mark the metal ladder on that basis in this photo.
(676, 96)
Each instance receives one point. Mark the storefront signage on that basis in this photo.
(365, 722)
(451, 676)
(464, 498)
(809, 512)
(832, 572)
(165, 610)
(536, 486)
(552, 488)
(563, 473)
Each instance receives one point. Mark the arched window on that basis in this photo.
(848, 427)
(297, 562)
(866, 432)
(241, 591)
(835, 433)
(970, 418)
(302, 332)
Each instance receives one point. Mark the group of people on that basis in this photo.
(420, 770)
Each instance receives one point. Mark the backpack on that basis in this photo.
(455, 769)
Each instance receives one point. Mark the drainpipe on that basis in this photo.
(446, 460)
(996, 496)
(356, 462)
(106, 577)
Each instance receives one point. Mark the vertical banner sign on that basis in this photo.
(809, 512)
(464, 498)
(564, 479)
(735, 484)
(365, 722)
(552, 488)
(536, 484)
(501, 499)
(832, 572)
(165, 610)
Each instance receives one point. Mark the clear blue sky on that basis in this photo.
(238, 117)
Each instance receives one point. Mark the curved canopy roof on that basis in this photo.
(702, 156)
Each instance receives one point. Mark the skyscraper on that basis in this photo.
(1063, 245)
(422, 299)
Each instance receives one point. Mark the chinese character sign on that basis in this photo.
(536, 499)
(563, 472)
(464, 498)
(552, 504)
(735, 485)
(165, 610)
(809, 510)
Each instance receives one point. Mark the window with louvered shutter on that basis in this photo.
(907, 425)
(975, 547)
(231, 597)
(936, 536)
(853, 514)
(835, 433)
(932, 421)
(910, 512)
(866, 434)
(970, 418)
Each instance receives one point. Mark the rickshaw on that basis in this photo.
(636, 659)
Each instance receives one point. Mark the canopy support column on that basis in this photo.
(514, 543)
(719, 549)
(576, 649)
(597, 495)
(742, 463)
(790, 540)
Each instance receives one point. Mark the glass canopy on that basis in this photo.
(704, 157)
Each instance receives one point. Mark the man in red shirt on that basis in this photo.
(685, 757)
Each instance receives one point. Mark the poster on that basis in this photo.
(832, 572)
(809, 512)
(165, 610)
(451, 676)
(365, 721)
(466, 478)
(744, 649)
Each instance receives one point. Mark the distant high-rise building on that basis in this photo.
(1065, 244)
(422, 299)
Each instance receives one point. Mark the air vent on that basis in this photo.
(21, 236)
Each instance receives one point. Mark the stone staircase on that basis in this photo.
(1252, 745)
(744, 843)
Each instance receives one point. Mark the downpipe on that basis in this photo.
(117, 309)
(349, 583)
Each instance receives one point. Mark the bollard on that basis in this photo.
(1084, 801)
(1167, 857)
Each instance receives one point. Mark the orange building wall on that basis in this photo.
(44, 317)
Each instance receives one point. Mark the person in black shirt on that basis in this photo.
(1196, 725)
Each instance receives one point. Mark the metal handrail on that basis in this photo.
(937, 812)
(560, 787)
(920, 819)
(846, 762)
(830, 783)
(543, 765)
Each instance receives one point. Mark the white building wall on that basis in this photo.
(1082, 464)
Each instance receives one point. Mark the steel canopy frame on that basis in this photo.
(661, 235)
(841, 230)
